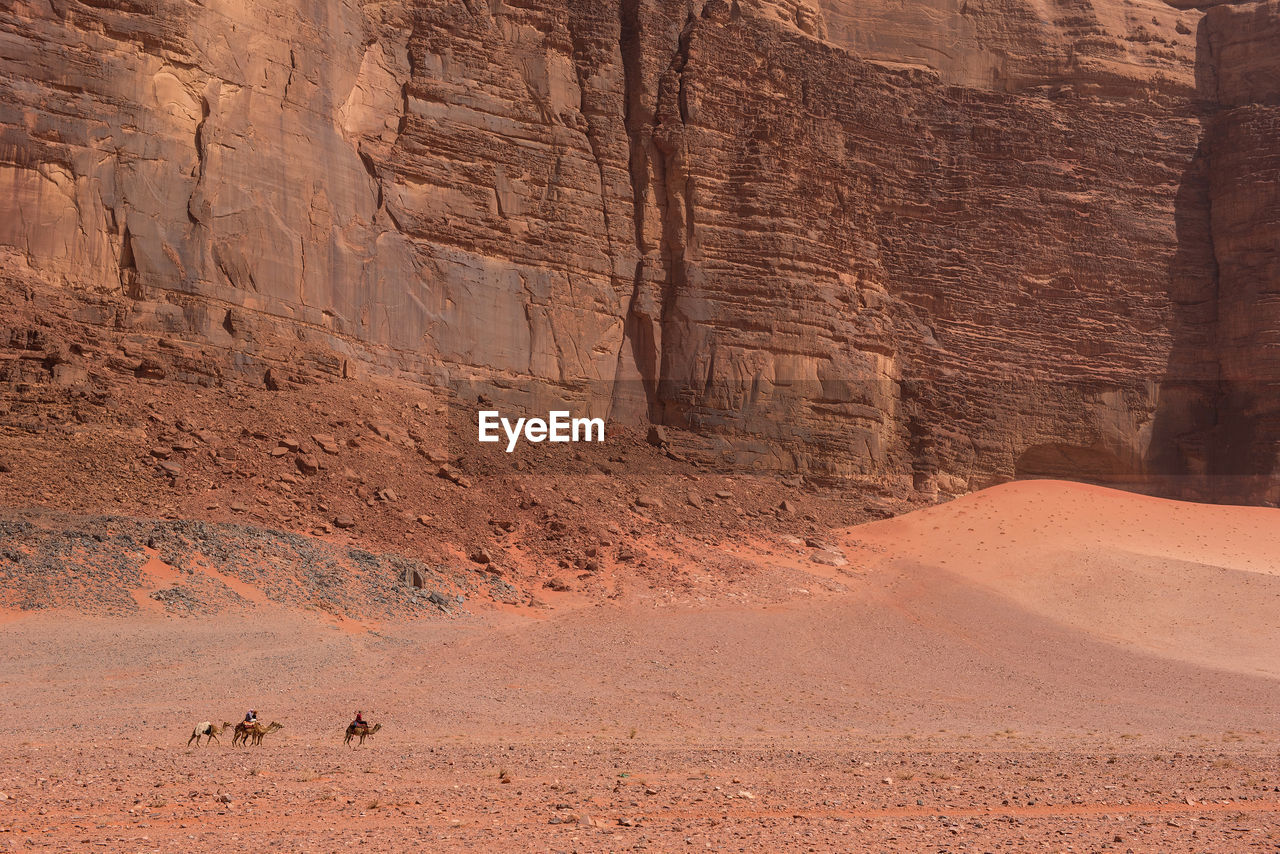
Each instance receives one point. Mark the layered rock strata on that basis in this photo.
(982, 253)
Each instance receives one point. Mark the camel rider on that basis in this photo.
(359, 721)
(251, 717)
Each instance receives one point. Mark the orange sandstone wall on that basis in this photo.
(817, 241)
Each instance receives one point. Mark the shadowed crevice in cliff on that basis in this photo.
(202, 154)
(676, 204)
(371, 167)
(600, 43)
(638, 332)
(1186, 416)
(653, 135)
(128, 266)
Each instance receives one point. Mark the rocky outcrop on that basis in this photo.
(947, 282)
(815, 239)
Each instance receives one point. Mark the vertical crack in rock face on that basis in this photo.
(924, 247)
(608, 62)
(642, 338)
(128, 266)
(198, 170)
(662, 204)
(676, 206)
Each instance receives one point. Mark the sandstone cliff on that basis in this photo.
(1011, 45)
(937, 247)
(1243, 142)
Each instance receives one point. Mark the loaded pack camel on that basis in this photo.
(209, 730)
(361, 731)
(256, 731)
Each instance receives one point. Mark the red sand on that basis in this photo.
(1191, 582)
(1041, 666)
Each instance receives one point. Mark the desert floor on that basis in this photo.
(1040, 666)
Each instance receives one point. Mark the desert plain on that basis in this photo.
(1038, 666)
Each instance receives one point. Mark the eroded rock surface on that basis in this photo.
(1011, 45)
(937, 246)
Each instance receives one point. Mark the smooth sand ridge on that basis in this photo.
(1192, 582)
(1042, 607)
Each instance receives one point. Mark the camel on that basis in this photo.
(255, 731)
(259, 731)
(209, 730)
(363, 732)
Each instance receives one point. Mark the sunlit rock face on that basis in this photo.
(1102, 47)
(928, 247)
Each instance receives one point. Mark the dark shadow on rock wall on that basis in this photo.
(1180, 456)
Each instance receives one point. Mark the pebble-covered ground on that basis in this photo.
(116, 565)
(614, 795)
(637, 726)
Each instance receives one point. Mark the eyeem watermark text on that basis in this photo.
(556, 427)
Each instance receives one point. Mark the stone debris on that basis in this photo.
(453, 475)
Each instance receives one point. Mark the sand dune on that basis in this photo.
(1042, 606)
(1196, 583)
(1040, 659)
